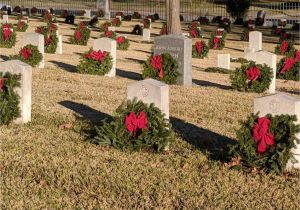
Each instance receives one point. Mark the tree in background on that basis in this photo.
(173, 19)
(237, 9)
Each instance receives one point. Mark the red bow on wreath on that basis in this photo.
(108, 33)
(1, 84)
(156, 63)
(253, 73)
(216, 42)
(262, 136)
(284, 47)
(288, 64)
(6, 33)
(21, 25)
(134, 122)
(297, 55)
(194, 33)
(26, 53)
(77, 35)
(120, 40)
(199, 47)
(97, 55)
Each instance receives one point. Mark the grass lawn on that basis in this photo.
(46, 166)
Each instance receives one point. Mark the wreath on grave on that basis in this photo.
(288, 67)
(50, 37)
(9, 98)
(286, 36)
(122, 42)
(252, 77)
(7, 36)
(95, 62)
(22, 26)
(245, 34)
(217, 40)
(203, 20)
(146, 23)
(161, 67)
(30, 55)
(120, 14)
(116, 22)
(278, 31)
(164, 30)
(265, 143)
(285, 47)
(226, 24)
(136, 15)
(104, 26)
(81, 35)
(109, 34)
(135, 127)
(33, 10)
(137, 30)
(200, 50)
(47, 17)
(195, 32)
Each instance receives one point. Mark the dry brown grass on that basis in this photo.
(44, 167)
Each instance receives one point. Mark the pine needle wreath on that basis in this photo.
(9, 98)
(81, 35)
(137, 30)
(21, 26)
(196, 32)
(50, 37)
(217, 40)
(116, 22)
(122, 43)
(95, 62)
(147, 23)
(288, 67)
(203, 20)
(136, 15)
(30, 55)
(200, 50)
(161, 67)
(251, 77)
(152, 133)
(265, 143)
(109, 34)
(7, 36)
(285, 47)
(104, 27)
(226, 24)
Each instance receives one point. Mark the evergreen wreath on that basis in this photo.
(95, 62)
(81, 35)
(7, 36)
(120, 14)
(226, 24)
(147, 23)
(9, 98)
(288, 67)
(245, 34)
(252, 77)
(116, 22)
(161, 67)
(196, 32)
(122, 42)
(47, 17)
(203, 20)
(104, 26)
(109, 34)
(286, 36)
(135, 127)
(136, 15)
(265, 143)
(50, 37)
(200, 50)
(217, 40)
(164, 30)
(137, 30)
(30, 55)
(22, 26)
(285, 47)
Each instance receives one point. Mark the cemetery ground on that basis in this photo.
(50, 162)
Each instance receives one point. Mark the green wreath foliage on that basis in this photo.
(275, 158)
(109, 34)
(124, 45)
(116, 22)
(35, 58)
(221, 44)
(22, 26)
(156, 137)
(226, 24)
(11, 41)
(50, 37)
(245, 34)
(203, 53)
(104, 27)
(9, 98)
(170, 69)
(136, 15)
(85, 34)
(239, 80)
(146, 23)
(293, 73)
(196, 32)
(88, 65)
(290, 47)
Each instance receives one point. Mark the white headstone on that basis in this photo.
(111, 28)
(4, 19)
(249, 54)
(108, 45)
(255, 40)
(146, 34)
(278, 104)
(119, 17)
(224, 61)
(24, 92)
(151, 91)
(36, 40)
(87, 13)
(59, 49)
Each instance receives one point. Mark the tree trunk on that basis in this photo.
(173, 19)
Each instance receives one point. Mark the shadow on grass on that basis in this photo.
(85, 112)
(4, 57)
(144, 51)
(129, 75)
(231, 48)
(213, 144)
(136, 60)
(64, 66)
(211, 84)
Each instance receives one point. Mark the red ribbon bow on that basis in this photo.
(199, 47)
(133, 122)
(108, 34)
(288, 64)
(120, 39)
(156, 63)
(6, 33)
(297, 55)
(1, 84)
(262, 136)
(253, 73)
(284, 47)
(25, 53)
(77, 35)
(216, 42)
(97, 55)
(48, 41)
(21, 25)
(194, 33)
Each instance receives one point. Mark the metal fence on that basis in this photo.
(190, 9)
